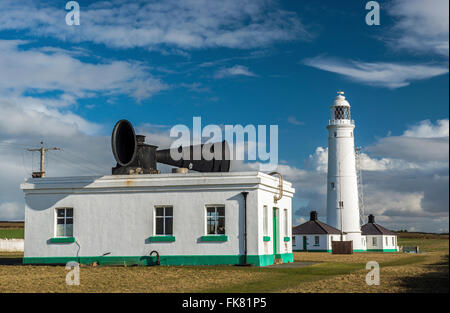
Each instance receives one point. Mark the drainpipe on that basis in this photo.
(245, 193)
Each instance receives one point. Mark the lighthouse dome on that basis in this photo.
(340, 101)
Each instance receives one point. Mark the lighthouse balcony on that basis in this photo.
(341, 122)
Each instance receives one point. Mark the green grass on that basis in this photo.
(11, 233)
(425, 245)
(282, 278)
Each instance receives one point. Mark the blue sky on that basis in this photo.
(264, 62)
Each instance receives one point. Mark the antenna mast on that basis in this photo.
(42, 150)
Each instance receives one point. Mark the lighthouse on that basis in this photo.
(342, 185)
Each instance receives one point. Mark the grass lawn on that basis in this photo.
(11, 233)
(399, 272)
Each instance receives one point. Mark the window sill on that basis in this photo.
(162, 238)
(62, 239)
(214, 238)
(266, 238)
(287, 239)
(316, 245)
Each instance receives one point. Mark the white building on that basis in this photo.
(379, 238)
(342, 185)
(189, 219)
(314, 236)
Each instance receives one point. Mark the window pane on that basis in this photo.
(210, 210)
(60, 230)
(69, 220)
(159, 211)
(169, 211)
(221, 211)
(159, 226)
(210, 226)
(60, 213)
(221, 227)
(69, 212)
(169, 230)
(69, 230)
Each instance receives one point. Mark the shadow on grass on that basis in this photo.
(435, 281)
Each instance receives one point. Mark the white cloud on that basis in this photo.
(49, 71)
(420, 26)
(236, 70)
(426, 129)
(293, 120)
(188, 24)
(383, 74)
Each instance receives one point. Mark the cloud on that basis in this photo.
(157, 25)
(382, 74)
(420, 26)
(44, 70)
(293, 120)
(236, 70)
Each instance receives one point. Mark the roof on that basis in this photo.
(375, 229)
(314, 227)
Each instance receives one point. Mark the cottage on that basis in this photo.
(185, 219)
(314, 235)
(379, 238)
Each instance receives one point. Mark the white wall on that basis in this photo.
(115, 213)
(11, 245)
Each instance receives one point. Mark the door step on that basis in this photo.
(279, 261)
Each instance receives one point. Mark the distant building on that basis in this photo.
(379, 238)
(314, 235)
(189, 219)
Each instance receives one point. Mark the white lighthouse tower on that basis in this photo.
(342, 188)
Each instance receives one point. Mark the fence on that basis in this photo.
(11, 245)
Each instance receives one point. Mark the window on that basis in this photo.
(393, 241)
(286, 223)
(293, 240)
(374, 241)
(64, 222)
(316, 240)
(332, 186)
(387, 243)
(215, 220)
(265, 221)
(335, 134)
(351, 134)
(164, 220)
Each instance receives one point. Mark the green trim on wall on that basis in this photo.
(382, 250)
(318, 250)
(266, 238)
(214, 238)
(62, 240)
(287, 239)
(256, 260)
(162, 238)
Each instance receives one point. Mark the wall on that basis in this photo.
(114, 214)
(11, 245)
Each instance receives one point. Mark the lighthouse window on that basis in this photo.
(215, 220)
(335, 134)
(64, 222)
(332, 186)
(164, 220)
(341, 113)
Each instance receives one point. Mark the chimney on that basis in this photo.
(371, 219)
(313, 216)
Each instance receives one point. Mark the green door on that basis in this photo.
(275, 232)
